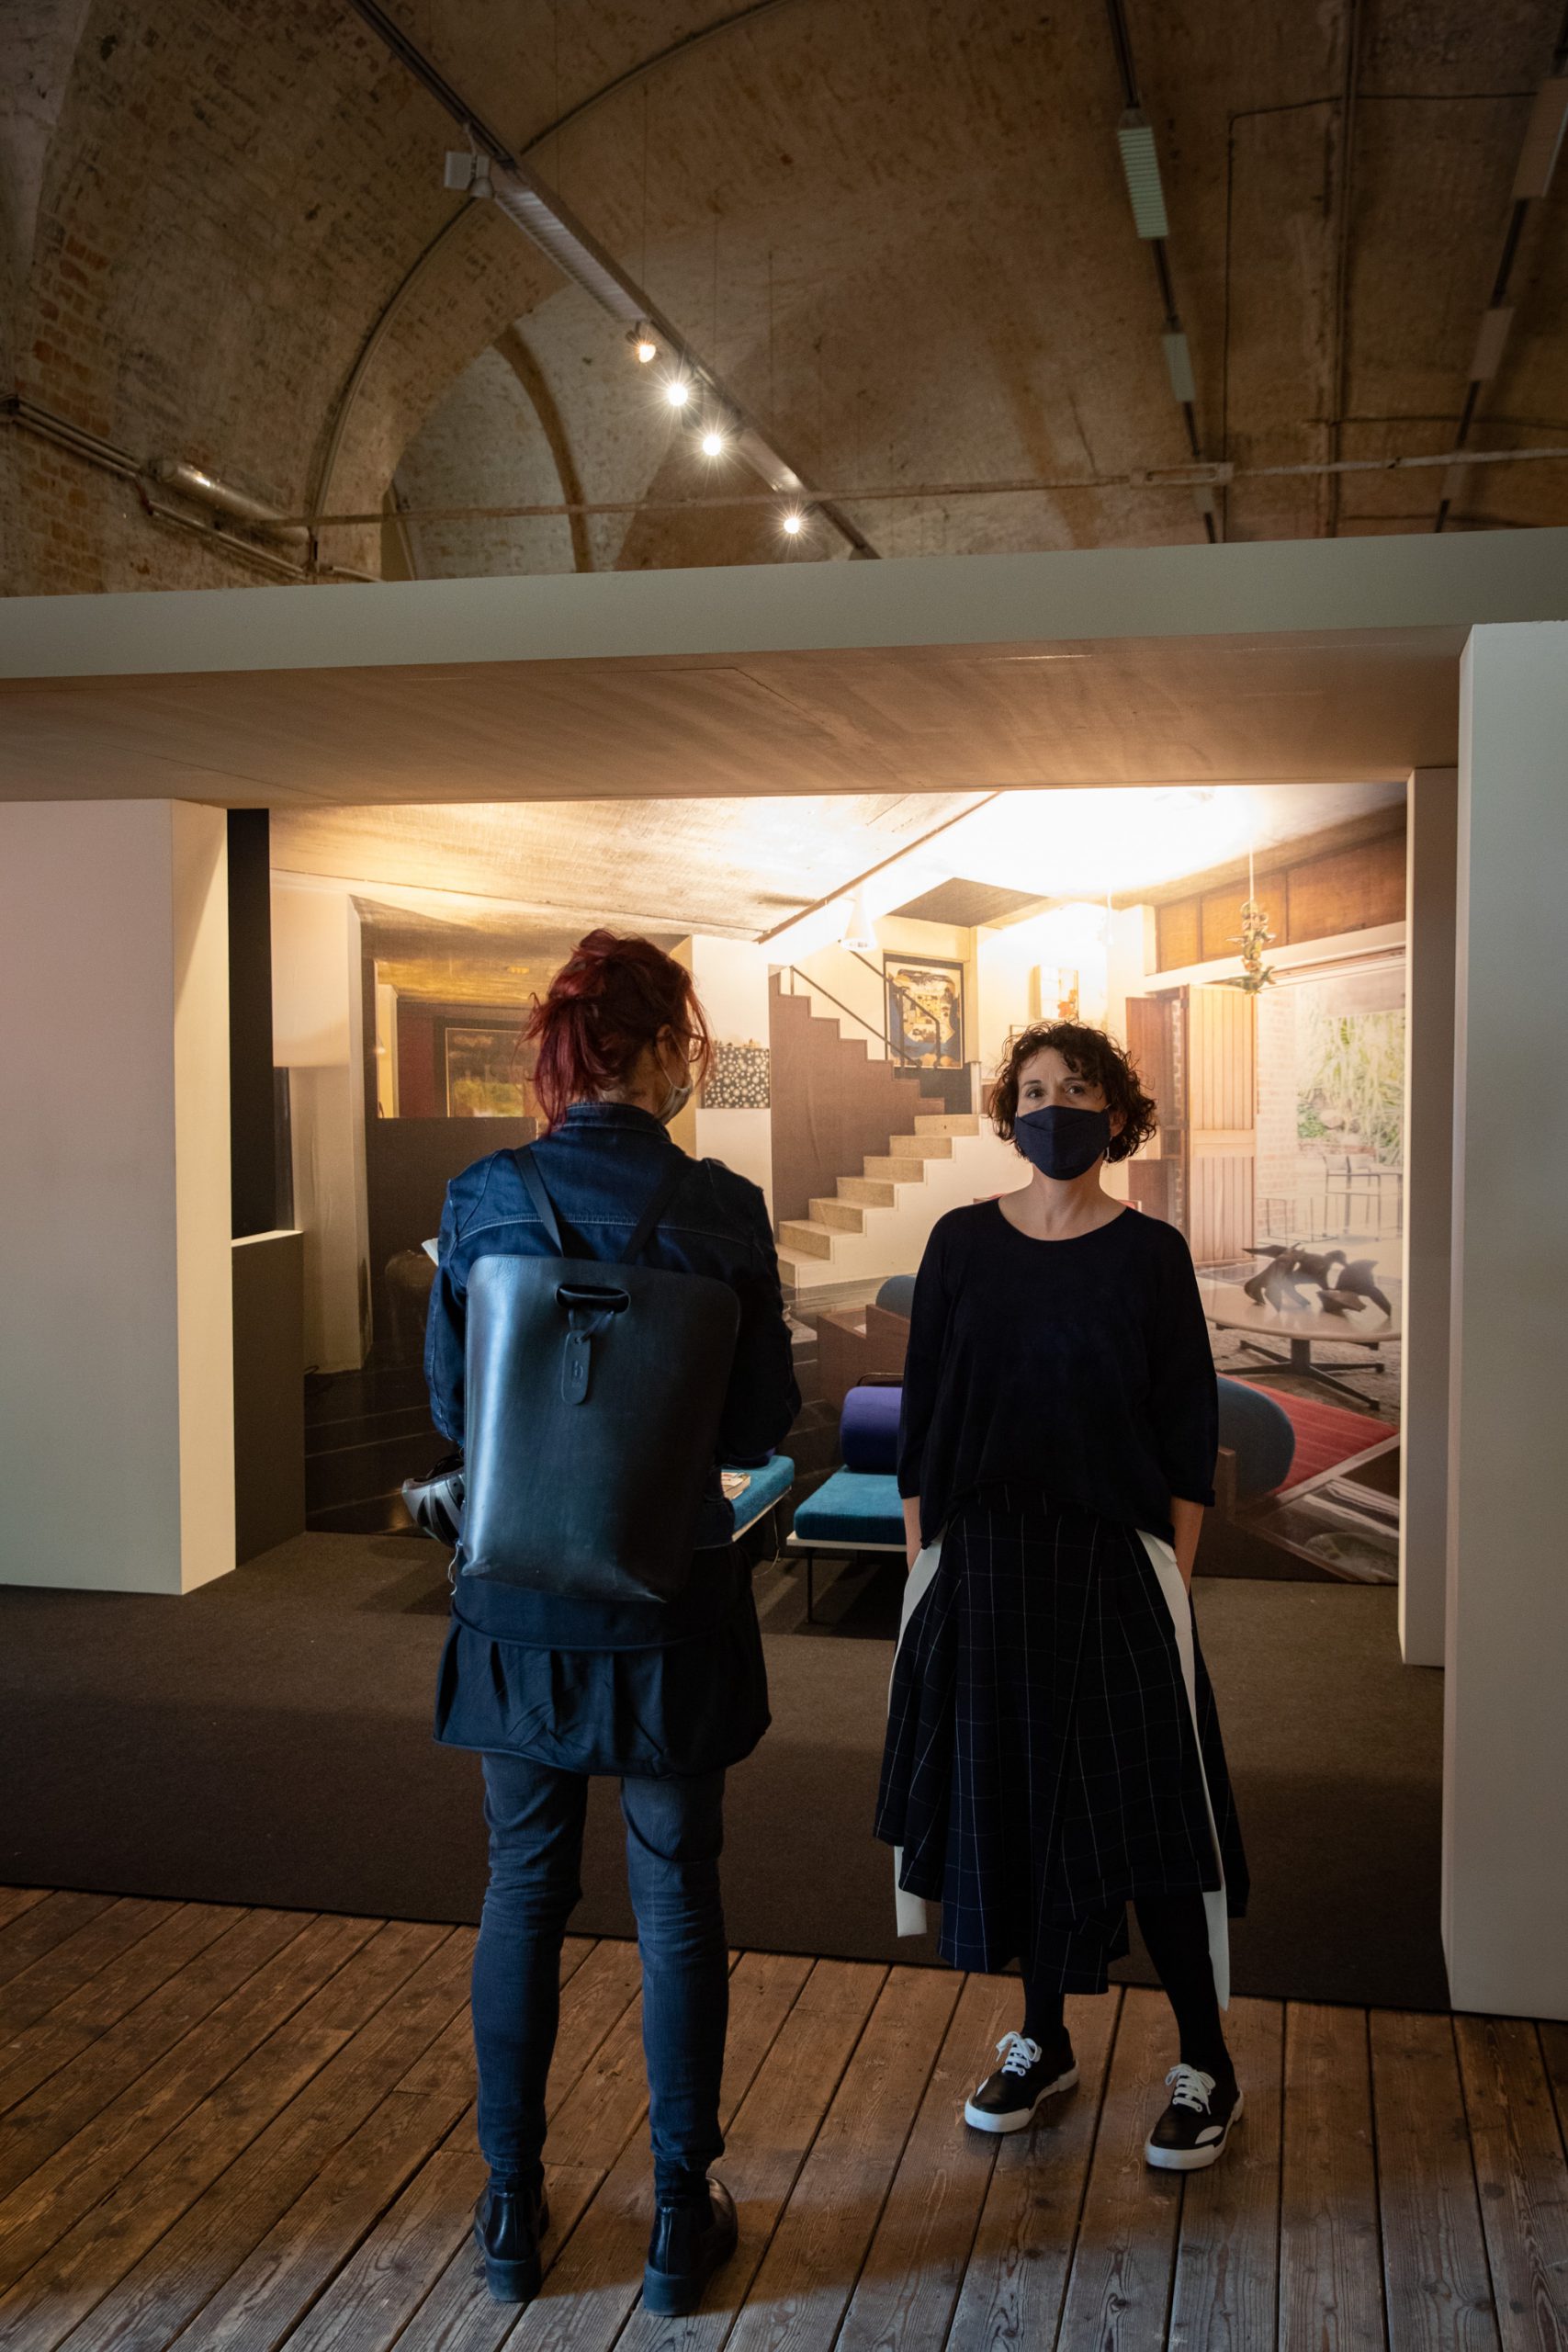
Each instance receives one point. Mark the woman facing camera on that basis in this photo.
(1052, 1748)
(554, 1690)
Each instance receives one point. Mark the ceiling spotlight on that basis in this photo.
(714, 443)
(677, 392)
(643, 345)
(793, 524)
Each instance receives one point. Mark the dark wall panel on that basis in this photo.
(408, 1164)
(252, 1160)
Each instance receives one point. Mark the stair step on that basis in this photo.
(949, 1123)
(844, 1216)
(920, 1147)
(805, 1240)
(870, 1192)
(896, 1172)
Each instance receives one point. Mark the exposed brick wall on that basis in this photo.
(899, 228)
(233, 191)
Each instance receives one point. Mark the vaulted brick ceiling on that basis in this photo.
(898, 227)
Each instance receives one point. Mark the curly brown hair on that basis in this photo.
(1089, 1053)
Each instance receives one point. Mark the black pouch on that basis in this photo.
(592, 1404)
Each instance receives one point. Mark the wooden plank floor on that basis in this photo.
(232, 2130)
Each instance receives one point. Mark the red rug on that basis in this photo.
(1326, 1434)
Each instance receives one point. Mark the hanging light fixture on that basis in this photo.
(1253, 938)
(857, 935)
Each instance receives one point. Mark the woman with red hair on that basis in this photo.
(664, 1694)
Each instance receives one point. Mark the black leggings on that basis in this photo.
(1175, 1927)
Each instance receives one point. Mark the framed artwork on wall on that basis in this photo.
(740, 1078)
(925, 1011)
(483, 1074)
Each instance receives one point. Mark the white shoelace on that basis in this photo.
(1193, 2088)
(1018, 2053)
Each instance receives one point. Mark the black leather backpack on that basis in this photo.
(593, 1394)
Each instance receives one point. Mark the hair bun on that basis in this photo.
(611, 997)
(582, 974)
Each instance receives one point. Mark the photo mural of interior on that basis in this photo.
(1247, 943)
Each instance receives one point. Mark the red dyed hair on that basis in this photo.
(610, 999)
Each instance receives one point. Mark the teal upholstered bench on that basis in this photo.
(766, 1488)
(854, 1515)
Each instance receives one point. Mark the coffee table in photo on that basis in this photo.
(1297, 1331)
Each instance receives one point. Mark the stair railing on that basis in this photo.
(815, 988)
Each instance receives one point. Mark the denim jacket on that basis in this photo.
(600, 1166)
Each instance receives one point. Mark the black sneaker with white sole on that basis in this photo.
(1196, 2126)
(1007, 2100)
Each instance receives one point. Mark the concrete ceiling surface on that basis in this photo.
(744, 865)
(1337, 660)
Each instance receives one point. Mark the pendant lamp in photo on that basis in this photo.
(858, 934)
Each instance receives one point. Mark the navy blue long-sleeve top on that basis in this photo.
(1081, 1368)
(632, 1685)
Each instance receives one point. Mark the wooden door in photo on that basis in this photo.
(1157, 1178)
(1195, 1050)
(1222, 1121)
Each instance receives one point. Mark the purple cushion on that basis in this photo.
(868, 1429)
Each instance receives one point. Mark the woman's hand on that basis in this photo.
(911, 1530)
(1187, 1519)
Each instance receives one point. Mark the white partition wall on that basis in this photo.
(1431, 817)
(1505, 1779)
(731, 981)
(116, 1412)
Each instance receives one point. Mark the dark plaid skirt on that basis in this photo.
(1040, 1767)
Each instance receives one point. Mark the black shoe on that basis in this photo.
(1196, 2126)
(689, 2243)
(508, 2224)
(1006, 2100)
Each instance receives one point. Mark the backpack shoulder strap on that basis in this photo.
(544, 1207)
(663, 1193)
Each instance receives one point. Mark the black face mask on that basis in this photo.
(1063, 1141)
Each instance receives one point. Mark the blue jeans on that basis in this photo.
(674, 1833)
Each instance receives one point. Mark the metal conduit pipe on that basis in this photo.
(203, 489)
(1204, 474)
(90, 449)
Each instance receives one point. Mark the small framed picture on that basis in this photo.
(484, 1073)
(925, 1011)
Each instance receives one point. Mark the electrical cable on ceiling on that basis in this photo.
(1539, 155)
(1146, 193)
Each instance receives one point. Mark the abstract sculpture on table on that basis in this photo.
(1355, 1285)
(1344, 1285)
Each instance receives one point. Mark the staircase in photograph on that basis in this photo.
(924, 1159)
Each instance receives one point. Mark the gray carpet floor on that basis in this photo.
(266, 1741)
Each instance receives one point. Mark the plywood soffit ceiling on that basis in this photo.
(1364, 703)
